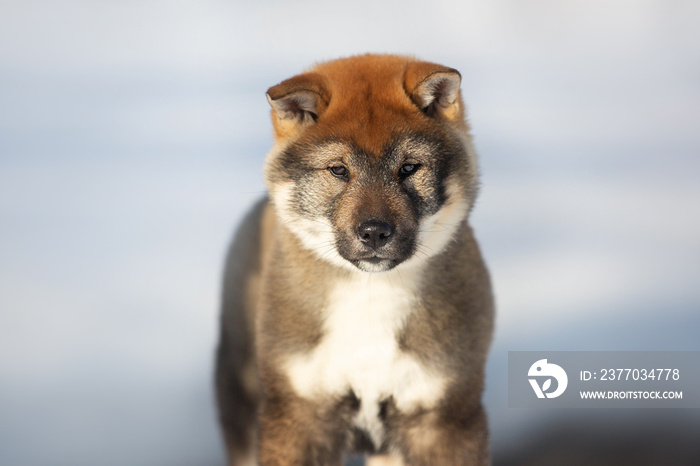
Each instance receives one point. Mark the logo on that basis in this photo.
(543, 370)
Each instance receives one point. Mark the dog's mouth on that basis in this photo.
(375, 264)
(375, 257)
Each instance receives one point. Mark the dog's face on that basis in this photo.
(373, 165)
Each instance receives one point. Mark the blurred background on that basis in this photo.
(132, 136)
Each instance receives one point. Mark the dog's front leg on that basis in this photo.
(296, 432)
(442, 438)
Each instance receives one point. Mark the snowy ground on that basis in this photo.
(131, 141)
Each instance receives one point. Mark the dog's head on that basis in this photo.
(373, 164)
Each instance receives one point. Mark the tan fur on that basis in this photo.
(384, 460)
(283, 299)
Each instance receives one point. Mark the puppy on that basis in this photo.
(357, 310)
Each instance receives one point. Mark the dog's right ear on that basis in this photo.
(297, 103)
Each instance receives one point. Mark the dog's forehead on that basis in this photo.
(332, 150)
(395, 147)
(368, 104)
(417, 146)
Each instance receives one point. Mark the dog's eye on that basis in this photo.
(339, 172)
(408, 169)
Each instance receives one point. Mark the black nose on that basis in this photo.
(375, 233)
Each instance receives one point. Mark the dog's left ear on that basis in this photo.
(435, 90)
(297, 103)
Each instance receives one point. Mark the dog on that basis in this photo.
(357, 310)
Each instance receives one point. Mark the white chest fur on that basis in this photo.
(359, 351)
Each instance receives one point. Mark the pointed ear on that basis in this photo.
(435, 90)
(297, 103)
